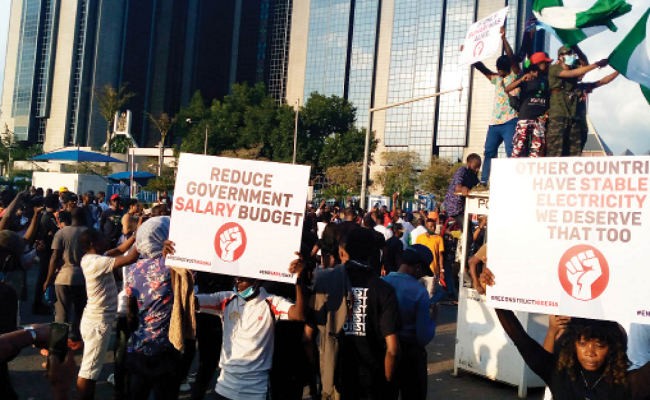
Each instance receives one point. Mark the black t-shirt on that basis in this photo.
(47, 228)
(346, 227)
(373, 314)
(379, 242)
(111, 224)
(394, 250)
(534, 98)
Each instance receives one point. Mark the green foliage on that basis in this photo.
(437, 177)
(24, 152)
(159, 184)
(121, 144)
(348, 175)
(338, 192)
(249, 119)
(110, 102)
(94, 169)
(346, 147)
(400, 174)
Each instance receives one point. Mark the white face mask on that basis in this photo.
(570, 60)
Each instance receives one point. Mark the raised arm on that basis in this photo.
(9, 211)
(297, 311)
(582, 57)
(513, 60)
(539, 360)
(480, 67)
(607, 79)
(30, 234)
(575, 73)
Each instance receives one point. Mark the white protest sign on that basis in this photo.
(238, 217)
(483, 38)
(569, 236)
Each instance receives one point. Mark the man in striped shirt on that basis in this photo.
(98, 265)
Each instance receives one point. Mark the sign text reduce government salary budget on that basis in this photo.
(567, 234)
(238, 217)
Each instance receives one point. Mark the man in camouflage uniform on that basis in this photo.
(566, 133)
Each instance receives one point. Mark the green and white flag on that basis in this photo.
(573, 25)
(632, 56)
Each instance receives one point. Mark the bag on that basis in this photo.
(515, 102)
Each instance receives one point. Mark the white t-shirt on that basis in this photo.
(248, 335)
(417, 232)
(384, 231)
(408, 228)
(100, 288)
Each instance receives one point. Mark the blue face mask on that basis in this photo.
(246, 294)
(570, 60)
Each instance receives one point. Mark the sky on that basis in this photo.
(619, 110)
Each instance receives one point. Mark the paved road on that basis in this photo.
(27, 374)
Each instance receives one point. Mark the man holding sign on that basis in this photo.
(504, 117)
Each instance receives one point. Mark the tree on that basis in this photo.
(164, 124)
(437, 177)
(400, 174)
(254, 153)
(338, 192)
(121, 144)
(346, 147)
(110, 102)
(348, 175)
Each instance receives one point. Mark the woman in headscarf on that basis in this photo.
(153, 361)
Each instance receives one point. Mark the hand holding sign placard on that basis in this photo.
(579, 234)
(237, 217)
(483, 38)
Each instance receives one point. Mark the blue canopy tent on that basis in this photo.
(141, 177)
(75, 155)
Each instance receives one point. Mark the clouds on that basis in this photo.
(619, 111)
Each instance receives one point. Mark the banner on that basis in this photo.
(483, 38)
(569, 236)
(238, 217)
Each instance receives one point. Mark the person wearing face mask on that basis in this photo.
(567, 128)
(249, 314)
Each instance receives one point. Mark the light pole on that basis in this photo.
(366, 151)
(207, 128)
(295, 132)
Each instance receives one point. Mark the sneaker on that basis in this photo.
(191, 378)
(75, 345)
(111, 379)
(185, 387)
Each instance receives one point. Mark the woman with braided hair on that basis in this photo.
(591, 363)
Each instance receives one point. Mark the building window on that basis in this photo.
(279, 52)
(78, 72)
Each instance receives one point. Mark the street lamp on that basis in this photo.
(366, 152)
(295, 132)
(207, 128)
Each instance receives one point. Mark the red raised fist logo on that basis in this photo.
(584, 272)
(478, 49)
(230, 242)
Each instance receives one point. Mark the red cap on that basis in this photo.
(115, 196)
(539, 57)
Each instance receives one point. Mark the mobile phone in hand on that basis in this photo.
(59, 340)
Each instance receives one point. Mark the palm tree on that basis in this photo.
(337, 192)
(164, 124)
(110, 102)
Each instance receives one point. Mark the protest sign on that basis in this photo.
(483, 38)
(238, 217)
(569, 236)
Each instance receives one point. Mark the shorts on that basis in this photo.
(96, 336)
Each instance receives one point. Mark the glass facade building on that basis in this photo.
(343, 57)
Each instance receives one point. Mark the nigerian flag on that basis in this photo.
(632, 56)
(573, 25)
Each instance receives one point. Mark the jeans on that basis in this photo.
(209, 334)
(69, 297)
(43, 265)
(496, 135)
(122, 379)
(411, 374)
(158, 373)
